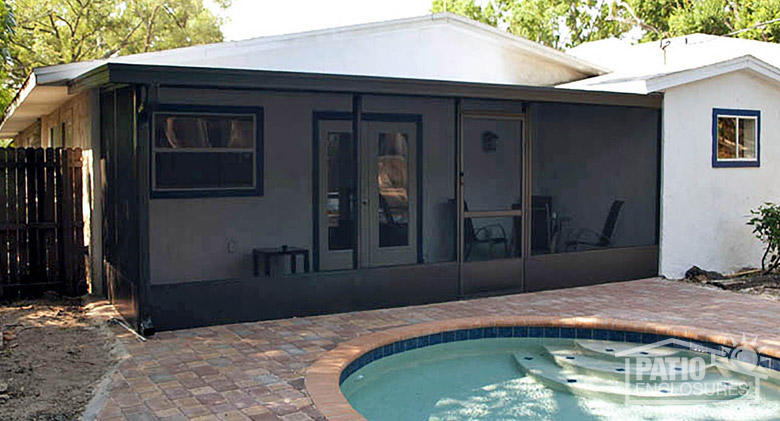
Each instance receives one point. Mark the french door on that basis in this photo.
(367, 194)
(389, 193)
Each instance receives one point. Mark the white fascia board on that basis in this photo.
(746, 62)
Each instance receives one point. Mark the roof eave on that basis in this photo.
(683, 77)
(205, 77)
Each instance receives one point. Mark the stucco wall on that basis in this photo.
(705, 209)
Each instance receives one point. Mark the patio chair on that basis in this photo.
(592, 239)
(483, 235)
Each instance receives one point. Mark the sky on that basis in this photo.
(255, 18)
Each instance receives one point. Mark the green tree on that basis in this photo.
(7, 25)
(555, 23)
(50, 32)
(567, 23)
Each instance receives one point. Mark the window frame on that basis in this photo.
(737, 114)
(257, 115)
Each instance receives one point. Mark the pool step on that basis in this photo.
(543, 369)
(612, 368)
(610, 350)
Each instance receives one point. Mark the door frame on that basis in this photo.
(525, 197)
(373, 254)
(417, 120)
(358, 117)
(317, 117)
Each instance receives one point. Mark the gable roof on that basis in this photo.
(343, 50)
(659, 82)
(647, 67)
(442, 46)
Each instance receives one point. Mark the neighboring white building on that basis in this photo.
(709, 83)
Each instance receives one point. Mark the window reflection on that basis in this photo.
(393, 185)
(208, 131)
(341, 191)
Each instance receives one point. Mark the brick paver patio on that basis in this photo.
(255, 371)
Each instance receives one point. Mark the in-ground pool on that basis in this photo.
(554, 379)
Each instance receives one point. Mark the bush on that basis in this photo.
(766, 226)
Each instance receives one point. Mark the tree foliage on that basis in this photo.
(568, 23)
(50, 32)
(766, 226)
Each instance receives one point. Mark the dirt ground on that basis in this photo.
(52, 354)
(767, 286)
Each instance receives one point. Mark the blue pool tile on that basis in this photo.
(616, 336)
(776, 364)
(552, 332)
(600, 334)
(765, 362)
(461, 335)
(535, 332)
(490, 332)
(520, 332)
(649, 338)
(387, 350)
(423, 341)
(567, 333)
(505, 332)
(634, 337)
(584, 333)
(435, 338)
(475, 333)
(398, 347)
(410, 344)
(448, 336)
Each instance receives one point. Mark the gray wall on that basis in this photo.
(189, 238)
(586, 156)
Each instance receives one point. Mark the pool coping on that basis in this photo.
(323, 378)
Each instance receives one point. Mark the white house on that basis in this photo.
(712, 174)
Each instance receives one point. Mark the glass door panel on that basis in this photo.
(390, 192)
(337, 195)
(392, 163)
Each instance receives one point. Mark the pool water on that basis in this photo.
(488, 379)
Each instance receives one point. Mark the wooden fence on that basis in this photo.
(41, 222)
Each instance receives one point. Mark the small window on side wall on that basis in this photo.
(207, 151)
(736, 136)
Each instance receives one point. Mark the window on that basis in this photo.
(207, 151)
(735, 138)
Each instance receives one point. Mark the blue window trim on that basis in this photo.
(196, 193)
(716, 163)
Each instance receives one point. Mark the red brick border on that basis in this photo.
(322, 378)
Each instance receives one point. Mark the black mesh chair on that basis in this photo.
(591, 239)
(483, 235)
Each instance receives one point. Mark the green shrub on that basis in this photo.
(766, 226)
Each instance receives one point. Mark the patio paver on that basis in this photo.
(255, 371)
